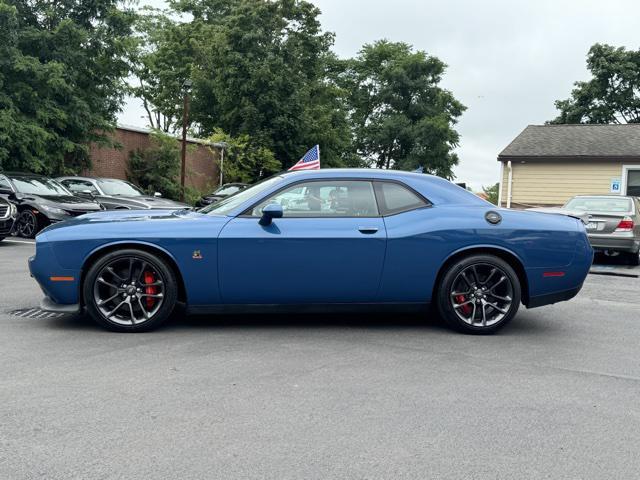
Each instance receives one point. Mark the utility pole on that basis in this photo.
(186, 87)
(223, 145)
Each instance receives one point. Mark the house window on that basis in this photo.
(633, 183)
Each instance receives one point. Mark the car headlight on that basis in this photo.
(54, 210)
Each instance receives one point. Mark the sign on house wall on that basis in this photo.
(616, 185)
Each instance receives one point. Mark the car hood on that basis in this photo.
(110, 225)
(66, 202)
(127, 216)
(147, 201)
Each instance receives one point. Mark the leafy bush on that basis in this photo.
(157, 168)
(244, 160)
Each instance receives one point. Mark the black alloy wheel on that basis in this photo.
(130, 291)
(27, 225)
(479, 294)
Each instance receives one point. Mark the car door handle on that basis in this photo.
(368, 230)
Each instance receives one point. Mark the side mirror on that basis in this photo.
(157, 194)
(87, 193)
(271, 211)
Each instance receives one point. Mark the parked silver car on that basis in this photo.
(613, 222)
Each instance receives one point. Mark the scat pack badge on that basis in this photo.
(196, 255)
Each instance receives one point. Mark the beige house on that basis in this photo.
(548, 164)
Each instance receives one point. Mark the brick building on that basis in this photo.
(202, 170)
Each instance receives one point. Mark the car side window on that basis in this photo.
(80, 186)
(396, 198)
(326, 198)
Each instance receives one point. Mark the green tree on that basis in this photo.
(62, 70)
(157, 168)
(400, 116)
(262, 69)
(612, 95)
(161, 62)
(245, 161)
(492, 193)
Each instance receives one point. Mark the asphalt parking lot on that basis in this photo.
(553, 395)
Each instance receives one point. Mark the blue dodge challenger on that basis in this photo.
(315, 240)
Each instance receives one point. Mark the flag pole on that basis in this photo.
(319, 156)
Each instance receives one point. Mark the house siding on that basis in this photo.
(553, 183)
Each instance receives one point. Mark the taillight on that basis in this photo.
(625, 225)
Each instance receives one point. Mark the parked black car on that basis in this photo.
(8, 213)
(41, 201)
(224, 191)
(117, 194)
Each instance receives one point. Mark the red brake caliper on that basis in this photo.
(150, 290)
(466, 309)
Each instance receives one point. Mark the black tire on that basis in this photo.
(27, 224)
(161, 270)
(504, 312)
(633, 258)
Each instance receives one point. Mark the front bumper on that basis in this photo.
(49, 305)
(6, 226)
(61, 286)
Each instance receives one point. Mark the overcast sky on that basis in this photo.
(508, 60)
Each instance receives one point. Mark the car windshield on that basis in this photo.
(119, 187)
(39, 186)
(225, 206)
(227, 190)
(599, 204)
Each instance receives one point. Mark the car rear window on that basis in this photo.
(596, 204)
(396, 198)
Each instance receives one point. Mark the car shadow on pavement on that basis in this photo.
(523, 324)
(602, 259)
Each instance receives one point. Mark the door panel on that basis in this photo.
(301, 260)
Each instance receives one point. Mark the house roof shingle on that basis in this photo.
(581, 141)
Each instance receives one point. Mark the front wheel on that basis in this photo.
(130, 291)
(479, 294)
(27, 224)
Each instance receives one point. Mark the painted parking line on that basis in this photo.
(26, 242)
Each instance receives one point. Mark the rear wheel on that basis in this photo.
(634, 258)
(479, 294)
(130, 291)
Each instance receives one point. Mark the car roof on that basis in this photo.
(77, 177)
(604, 196)
(23, 174)
(357, 172)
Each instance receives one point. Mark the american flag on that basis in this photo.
(310, 161)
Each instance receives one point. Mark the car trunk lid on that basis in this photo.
(605, 222)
